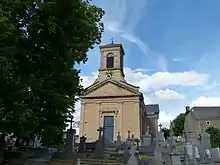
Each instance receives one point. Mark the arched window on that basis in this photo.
(110, 61)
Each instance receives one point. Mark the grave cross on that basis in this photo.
(100, 130)
(160, 126)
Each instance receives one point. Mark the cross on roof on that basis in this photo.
(100, 130)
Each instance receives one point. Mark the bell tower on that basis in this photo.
(111, 62)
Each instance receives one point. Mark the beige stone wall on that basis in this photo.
(126, 112)
(204, 124)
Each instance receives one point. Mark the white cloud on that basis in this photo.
(165, 118)
(206, 101)
(152, 85)
(168, 94)
(160, 80)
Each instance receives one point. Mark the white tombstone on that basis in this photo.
(189, 150)
(196, 152)
(208, 153)
(176, 159)
(132, 160)
(205, 140)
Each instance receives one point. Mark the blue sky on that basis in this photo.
(172, 50)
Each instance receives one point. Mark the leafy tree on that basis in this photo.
(166, 132)
(178, 124)
(41, 42)
(214, 136)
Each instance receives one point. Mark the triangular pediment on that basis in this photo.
(110, 88)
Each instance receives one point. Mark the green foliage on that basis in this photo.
(166, 132)
(214, 136)
(178, 124)
(40, 43)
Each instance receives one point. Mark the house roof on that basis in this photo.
(206, 113)
(152, 109)
(113, 45)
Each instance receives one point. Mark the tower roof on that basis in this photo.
(113, 45)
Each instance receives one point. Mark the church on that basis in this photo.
(114, 104)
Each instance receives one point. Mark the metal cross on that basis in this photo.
(100, 130)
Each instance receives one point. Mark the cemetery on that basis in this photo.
(132, 151)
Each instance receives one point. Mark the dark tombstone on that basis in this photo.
(82, 144)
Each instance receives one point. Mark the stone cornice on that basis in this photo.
(107, 97)
(119, 84)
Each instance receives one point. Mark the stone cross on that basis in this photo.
(100, 130)
(160, 125)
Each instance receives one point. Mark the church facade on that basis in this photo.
(111, 102)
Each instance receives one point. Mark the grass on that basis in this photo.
(144, 157)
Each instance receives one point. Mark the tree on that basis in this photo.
(38, 57)
(214, 136)
(178, 124)
(166, 132)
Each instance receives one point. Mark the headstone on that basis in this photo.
(132, 160)
(158, 155)
(147, 138)
(215, 153)
(176, 158)
(82, 144)
(205, 140)
(196, 153)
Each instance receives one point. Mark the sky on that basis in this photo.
(172, 51)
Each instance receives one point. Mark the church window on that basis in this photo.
(110, 61)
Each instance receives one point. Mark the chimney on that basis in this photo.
(187, 108)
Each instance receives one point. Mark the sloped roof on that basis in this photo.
(206, 113)
(152, 109)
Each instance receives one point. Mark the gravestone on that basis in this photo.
(176, 158)
(205, 140)
(82, 144)
(67, 156)
(147, 138)
(215, 153)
